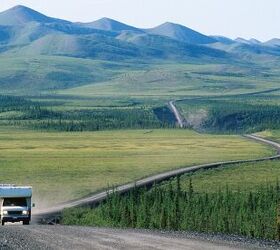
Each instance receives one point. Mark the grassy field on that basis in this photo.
(63, 166)
(180, 80)
(59, 85)
(215, 94)
(271, 134)
(32, 75)
(244, 177)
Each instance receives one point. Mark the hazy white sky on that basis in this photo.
(232, 18)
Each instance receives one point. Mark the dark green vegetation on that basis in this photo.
(236, 114)
(19, 112)
(109, 75)
(252, 214)
(240, 199)
(64, 76)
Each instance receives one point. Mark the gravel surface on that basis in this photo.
(177, 114)
(68, 237)
(65, 237)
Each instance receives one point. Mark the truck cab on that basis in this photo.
(15, 204)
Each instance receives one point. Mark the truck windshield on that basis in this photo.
(14, 202)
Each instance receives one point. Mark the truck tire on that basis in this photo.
(3, 223)
(25, 222)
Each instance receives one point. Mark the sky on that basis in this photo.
(232, 18)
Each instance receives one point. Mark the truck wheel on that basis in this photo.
(25, 222)
(3, 223)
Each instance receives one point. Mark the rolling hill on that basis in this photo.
(181, 33)
(20, 15)
(26, 34)
(109, 25)
(273, 42)
(24, 31)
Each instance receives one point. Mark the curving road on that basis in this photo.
(274, 144)
(63, 237)
(177, 114)
(53, 213)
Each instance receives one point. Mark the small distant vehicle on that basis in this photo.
(15, 204)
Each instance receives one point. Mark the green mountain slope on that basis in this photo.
(110, 25)
(181, 33)
(41, 53)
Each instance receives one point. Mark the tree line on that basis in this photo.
(34, 115)
(252, 214)
(231, 115)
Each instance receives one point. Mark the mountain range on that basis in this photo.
(38, 52)
(24, 31)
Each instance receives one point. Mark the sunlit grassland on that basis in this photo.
(216, 201)
(178, 80)
(271, 134)
(243, 177)
(29, 75)
(64, 166)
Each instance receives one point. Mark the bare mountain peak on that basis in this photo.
(255, 41)
(173, 25)
(20, 7)
(275, 42)
(181, 33)
(107, 19)
(251, 41)
(109, 24)
(22, 10)
(19, 15)
(168, 23)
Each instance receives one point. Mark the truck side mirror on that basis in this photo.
(33, 205)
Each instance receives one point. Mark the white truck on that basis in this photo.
(15, 204)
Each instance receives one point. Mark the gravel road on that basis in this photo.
(62, 237)
(177, 114)
(49, 214)
(96, 198)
